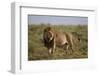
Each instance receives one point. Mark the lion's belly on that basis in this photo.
(61, 39)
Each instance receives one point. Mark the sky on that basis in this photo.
(66, 20)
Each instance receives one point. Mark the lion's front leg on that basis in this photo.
(54, 46)
(50, 51)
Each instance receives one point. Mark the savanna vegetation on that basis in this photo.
(37, 50)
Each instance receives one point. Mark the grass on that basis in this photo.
(37, 50)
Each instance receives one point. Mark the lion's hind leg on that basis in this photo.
(66, 48)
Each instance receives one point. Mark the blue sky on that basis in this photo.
(38, 19)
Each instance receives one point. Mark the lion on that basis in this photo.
(53, 39)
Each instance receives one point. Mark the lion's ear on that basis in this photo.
(49, 28)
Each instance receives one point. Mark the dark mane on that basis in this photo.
(47, 29)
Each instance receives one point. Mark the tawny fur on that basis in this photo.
(53, 38)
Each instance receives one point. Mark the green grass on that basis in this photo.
(37, 50)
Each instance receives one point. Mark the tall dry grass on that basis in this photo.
(37, 50)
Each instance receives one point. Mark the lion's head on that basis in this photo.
(48, 34)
